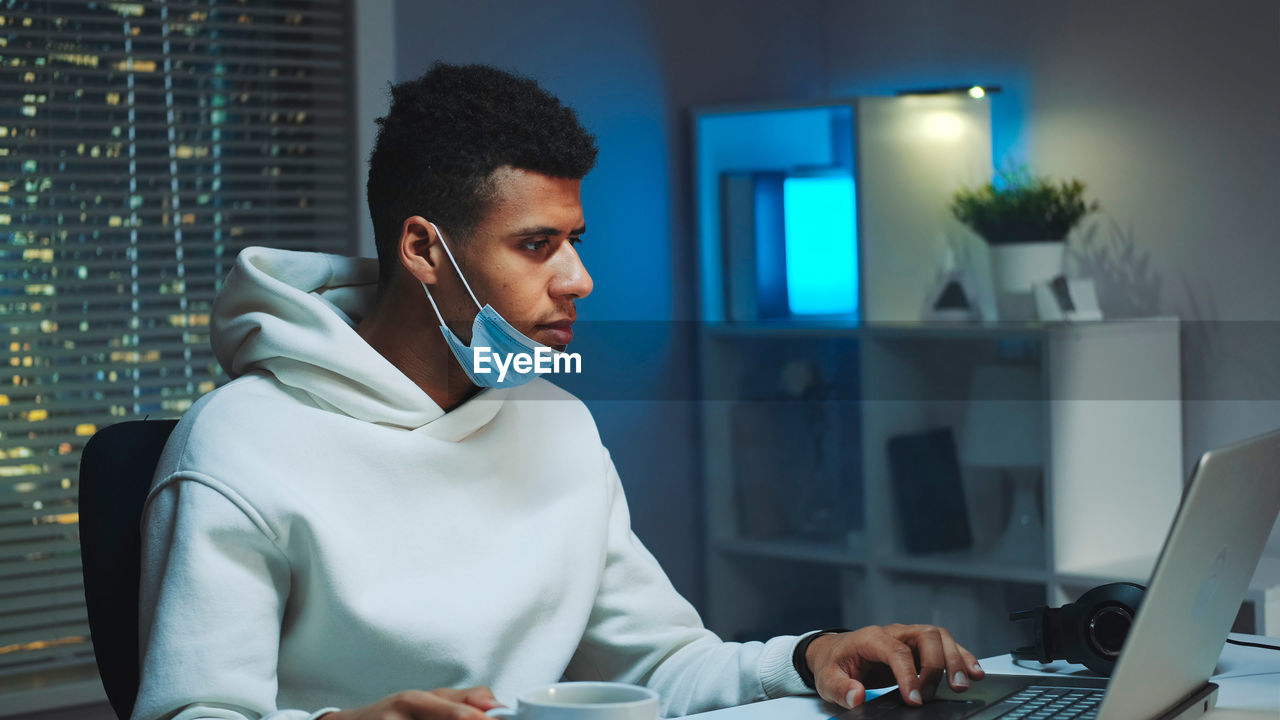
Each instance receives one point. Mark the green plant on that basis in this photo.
(1025, 209)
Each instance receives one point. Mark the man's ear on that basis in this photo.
(420, 250)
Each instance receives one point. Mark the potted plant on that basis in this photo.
(1025, 222)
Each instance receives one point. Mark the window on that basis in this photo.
(142, 145)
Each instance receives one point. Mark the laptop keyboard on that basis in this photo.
(1040, 702)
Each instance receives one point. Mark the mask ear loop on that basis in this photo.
(465, 284)
(433, 304)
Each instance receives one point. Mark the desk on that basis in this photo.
(1248, 679)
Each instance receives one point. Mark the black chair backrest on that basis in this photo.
(115, 473)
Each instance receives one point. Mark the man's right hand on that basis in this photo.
(438, 704)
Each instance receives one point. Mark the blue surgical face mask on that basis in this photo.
(489, 330)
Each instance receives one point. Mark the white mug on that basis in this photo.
(583, 701)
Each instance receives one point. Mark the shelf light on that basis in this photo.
(975, 91)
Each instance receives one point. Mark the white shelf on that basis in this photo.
(1131, 569)
(1264, 592)
(1032, 329)
(1138, 569)
(796, 550)
(913, 377)
(1267, 576)
(952, 564)
(964, 565)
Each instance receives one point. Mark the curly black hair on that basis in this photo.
(446, 133)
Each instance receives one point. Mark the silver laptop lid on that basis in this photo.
(1209, 556)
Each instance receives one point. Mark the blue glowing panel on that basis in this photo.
(821, 242)
(759, 141)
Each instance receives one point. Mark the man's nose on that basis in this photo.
(572, 278)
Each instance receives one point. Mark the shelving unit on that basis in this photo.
(797, 410)
(824, 400)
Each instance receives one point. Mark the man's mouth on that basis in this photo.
(558, 334)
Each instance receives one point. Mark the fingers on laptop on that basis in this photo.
(932, 657)
(901, 660)
(841, 689)
(916, 656)
(962, 666)
(870, 655)
(937, 654)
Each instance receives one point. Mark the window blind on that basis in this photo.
(142, 145)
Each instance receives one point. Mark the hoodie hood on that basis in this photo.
(293, 315)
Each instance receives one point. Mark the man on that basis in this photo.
(353, 519)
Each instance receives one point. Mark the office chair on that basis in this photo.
(115, 474)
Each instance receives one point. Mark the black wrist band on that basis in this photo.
(798, 657)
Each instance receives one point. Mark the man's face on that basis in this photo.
(522, 257)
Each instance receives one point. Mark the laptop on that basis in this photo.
(1200, 577)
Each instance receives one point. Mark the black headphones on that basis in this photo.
(1090, 631)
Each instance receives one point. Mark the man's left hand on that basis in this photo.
(916, 657)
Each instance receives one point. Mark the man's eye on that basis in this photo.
(535, 245)
(576, 240)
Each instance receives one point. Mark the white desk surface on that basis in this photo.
(1248, 679)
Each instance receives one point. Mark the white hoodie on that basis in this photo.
(320, 534)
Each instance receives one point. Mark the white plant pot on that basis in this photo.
(1016, 267)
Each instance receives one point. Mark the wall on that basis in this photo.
(1168, 111)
